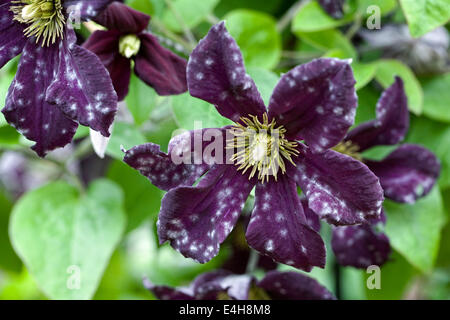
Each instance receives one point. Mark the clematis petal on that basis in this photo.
(216, 74)
(196, 220)
(392, 121)
(168, 293)
(334, 8)
(312, 218)
(408, 173)
(104, 44)
(293, 286)
(86, 9)
(160, 68)
(209, 286)
(118, 16)
(316, 102)
(159, 168)
(26, 108)
(339, 188)
(360, 246)
(82, 87)
(278, 227)
(12, 39)
(185, 162)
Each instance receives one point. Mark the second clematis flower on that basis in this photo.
(126, 42)
(223, 285)
(314, 102)
(58, 84)
(407, 174)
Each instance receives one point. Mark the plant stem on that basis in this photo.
(252, 261)
(337, 280)
(290, 14)
(187, 32)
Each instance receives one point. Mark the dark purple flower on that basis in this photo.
(314, 102)
(223, 285)
(406, 175)
(58, 84)
(125, 41)
(334, 8)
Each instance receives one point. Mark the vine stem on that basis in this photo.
(290, 14)
(252, 262)
(187, 32)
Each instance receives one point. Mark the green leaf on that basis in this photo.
(126, 135)
(145, 6)
(192, 113)
(415, 230)
(385, 6)
(8, 258)
(436, 137)
(437, 97)
(386, 72)
(265, 81)
(63, 236)
(140, 100)
(142, 199)
(329, 40)
(425, 15)
(192, 12)
(8, 136)
(396, 274)
(364, 73)
(311, 17)
(257, 36)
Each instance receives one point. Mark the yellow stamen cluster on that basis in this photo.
(45, 19)
(349, 149)
(129, 45)
(261, 146)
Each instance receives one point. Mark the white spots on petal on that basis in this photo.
(269, 246)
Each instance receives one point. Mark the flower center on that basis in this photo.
(129, 45)
(45, 19)
(349, 149)
(261, 146)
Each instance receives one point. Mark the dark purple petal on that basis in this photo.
(208, 286)
(312, 218)
(118, 16)
(293, 286)
(408, 173)
(196, 220)
(159, 168)
(168, 293)
(216, 74)
(26, 108)
(334, 8)
(360, 246)
(82, 87)
(316, 102)
(339, 188)
(160, 68)
(392, 121)
(278, 227)
(87, 9)
(187, 158)
(12, 39)
(105, 45)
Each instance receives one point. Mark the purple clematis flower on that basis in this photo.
(334, 8)
(223, 285)
(58, 84)
(407, 174)
(125, 41)
(314, 102)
